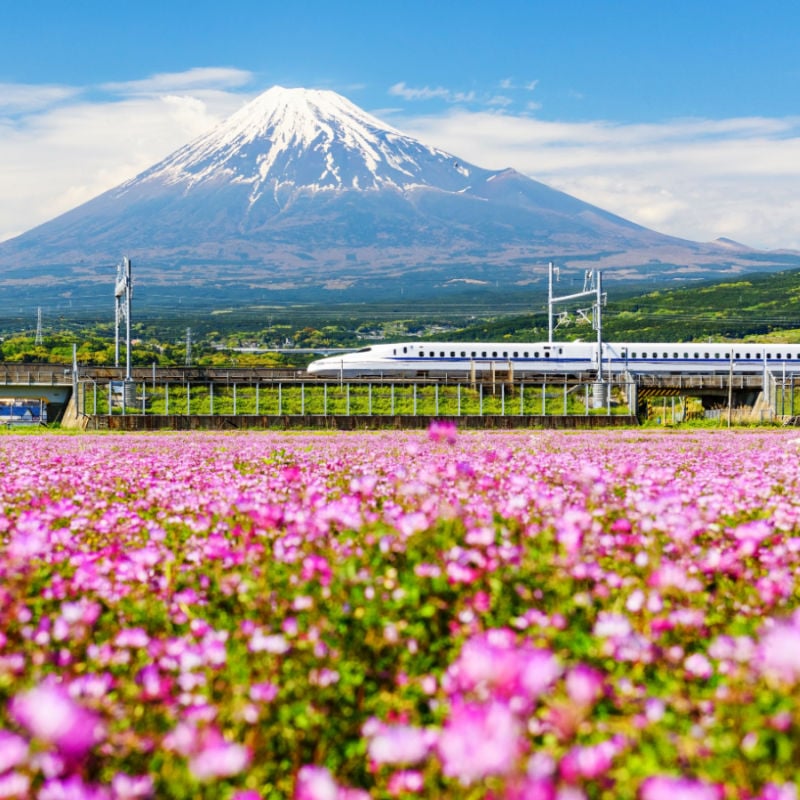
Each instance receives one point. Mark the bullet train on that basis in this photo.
(460, 359)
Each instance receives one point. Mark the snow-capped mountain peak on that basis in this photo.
(301, 194)
(308, 139)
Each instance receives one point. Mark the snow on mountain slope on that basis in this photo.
(312, 139)
(302, 191)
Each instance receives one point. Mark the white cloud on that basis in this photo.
(427, 93)
(59, 157)
(18, 97)
(697, 179)
(199, 78)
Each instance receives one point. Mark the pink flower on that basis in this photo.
(405, 781)
(479, 740)
(315, 783)
(397, 744)
(778, 654)
(589, 762)
(264, 692)
(13, 751)
(71, 788)
(584, 685)
(50, 714)
(130, 787)
(442, 431)
(14, 784)
(665, 787)
(698, 666)
(219, 759)
(494, 662)
(773, 791)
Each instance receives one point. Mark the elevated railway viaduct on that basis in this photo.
(60, 386)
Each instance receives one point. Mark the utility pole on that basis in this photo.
(598, 322)
(123, 289)
(188, 347)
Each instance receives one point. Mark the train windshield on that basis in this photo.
(364, 350)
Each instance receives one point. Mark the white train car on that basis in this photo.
(460, 359)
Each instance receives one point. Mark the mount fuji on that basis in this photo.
(303, 195)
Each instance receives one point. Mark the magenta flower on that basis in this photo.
(443, 431)
(479, 740)
(774, 791)
(50, 714)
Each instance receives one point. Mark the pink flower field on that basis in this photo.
(528, 615)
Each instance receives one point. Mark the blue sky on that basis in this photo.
(682, 116)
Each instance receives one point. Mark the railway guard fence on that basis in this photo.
(366, 403)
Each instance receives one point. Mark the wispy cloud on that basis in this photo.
(428, 93)
(16, 97)
(202, 78)
(510, 84)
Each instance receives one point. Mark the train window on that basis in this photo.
(536, 354)
(494, 354)
(505, 353)
(738, 355)
(452, 354)
(777, 355)
(686, 355)
(525, 354)
(665, 355)
(463, 354)
(747, 355)
(441, 354)
(547, 354)
(716, 355)
(674, 355)
(405, 349)
(515, 354)
(706, 355)
(483, 354)
(633, 355)
(644, 355)
(697, 355)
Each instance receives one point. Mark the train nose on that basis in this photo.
(321, 367)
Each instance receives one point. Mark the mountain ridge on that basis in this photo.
(301, 193)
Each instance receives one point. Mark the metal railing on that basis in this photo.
(372, 398)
